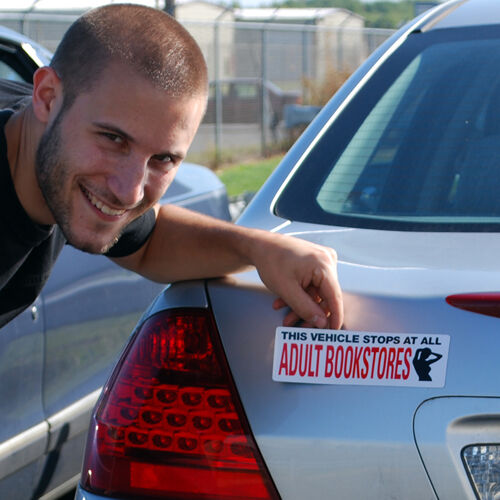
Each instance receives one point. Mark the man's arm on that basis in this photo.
(188, 245)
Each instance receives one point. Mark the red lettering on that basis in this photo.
(390, 362)
(294, 360)
(302, 361)
(348, 363)
(310, 371)
(340, 357)
(374, 350)
(284, 359)
(357, 356)
(364, 371)
(408, 356)
(381, 372)
(399, 362)
(318, 348)
(330, 350)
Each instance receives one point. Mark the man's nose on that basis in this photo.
(128, 180)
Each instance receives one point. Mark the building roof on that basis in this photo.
(266, 14)
(285, 14)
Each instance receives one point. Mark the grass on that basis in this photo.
(247, 176)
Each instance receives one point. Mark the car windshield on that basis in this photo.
(417, 147)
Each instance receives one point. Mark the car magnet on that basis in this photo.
(315, 356)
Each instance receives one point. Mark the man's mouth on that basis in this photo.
(100, 205)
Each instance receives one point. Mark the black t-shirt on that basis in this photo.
(28, 250)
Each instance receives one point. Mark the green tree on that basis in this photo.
(380, 14)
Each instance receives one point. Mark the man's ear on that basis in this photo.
(47, 94)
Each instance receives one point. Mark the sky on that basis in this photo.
(263, 3)
(17, 4)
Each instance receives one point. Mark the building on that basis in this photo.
(299, 42)
(212, 26)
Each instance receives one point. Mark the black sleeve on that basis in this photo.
(134, 235)
(14, 95)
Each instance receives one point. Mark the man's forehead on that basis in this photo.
(141, 112)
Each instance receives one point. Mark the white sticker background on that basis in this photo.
(315, 356)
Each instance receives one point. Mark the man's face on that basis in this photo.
(110, 157)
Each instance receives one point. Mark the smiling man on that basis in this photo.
(86, 162)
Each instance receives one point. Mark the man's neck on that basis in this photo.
(23, 132)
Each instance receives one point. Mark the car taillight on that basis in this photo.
(482, 462)
(487, 303)
(170, 424)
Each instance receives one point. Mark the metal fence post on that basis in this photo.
(218, 95)
(305, 63)
(340, 50)
(264, 104)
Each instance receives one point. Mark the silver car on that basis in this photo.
(400, 173)
(55, 357)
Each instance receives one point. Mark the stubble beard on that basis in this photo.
(52, 172)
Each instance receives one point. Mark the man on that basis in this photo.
(86, 161)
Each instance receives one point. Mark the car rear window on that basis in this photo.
(417, 147)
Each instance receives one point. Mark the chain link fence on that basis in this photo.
(258, 72)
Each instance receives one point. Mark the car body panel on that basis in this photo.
(24, 432)
(85, 495)
(306, 423)
(479, 13)
(443, 427)
(20, 56)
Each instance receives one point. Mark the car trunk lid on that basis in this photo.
(346, 440)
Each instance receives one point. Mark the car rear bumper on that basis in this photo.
(81, 494)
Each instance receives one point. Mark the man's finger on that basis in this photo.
(333, 314)
(291, 319)
(279, 303)
(331, 294)
(306, 308)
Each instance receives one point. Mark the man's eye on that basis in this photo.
(113, 137)
(164, 162)
(163, 158)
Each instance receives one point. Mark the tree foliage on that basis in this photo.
(378, 14)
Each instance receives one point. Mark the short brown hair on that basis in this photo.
(148, 40)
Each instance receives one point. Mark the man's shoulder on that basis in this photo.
(14, 95)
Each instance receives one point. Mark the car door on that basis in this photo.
(23, 429)
(15, 65)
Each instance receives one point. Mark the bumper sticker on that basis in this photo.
(314, 356)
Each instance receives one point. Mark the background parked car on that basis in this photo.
(241, 100)
(399, 173)
(55, 357)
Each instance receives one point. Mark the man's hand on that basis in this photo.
(304, 276)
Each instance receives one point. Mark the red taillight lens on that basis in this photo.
(169, 424)
(487, 303)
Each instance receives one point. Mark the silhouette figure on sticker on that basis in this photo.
(422, 363)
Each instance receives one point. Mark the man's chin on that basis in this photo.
(93, 246)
